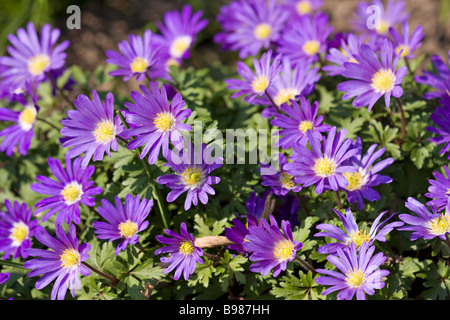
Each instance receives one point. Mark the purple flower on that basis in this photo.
(255, 204)
(71, 188)
(4, 276)
(270, 247)
(63, 262)
(358, 272)
(179, 31)
(250, 26)
(91, 128)
(353, 234)
(256, 83)
(439, 189)
(441, 117)
(349, 48)
(296, 121)
(373, 78)
(183, 253)
(305, 38)
(302, 7)
(16, 229)
(426, 224)
(323, 164)
(123, 221)
(238, 232)
(439, 80)
(32, 57)
(153, 121)
(136, 57)
(280, 183)
(366, 176)
(192, 175)
(406, 43)
(21, 132)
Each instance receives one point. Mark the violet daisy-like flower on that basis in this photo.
(179, 30)
(136, 57)
(296, 120)
(124, 221)
(372, 78)
(183, 253)
(16, 229)
(280, 183)
(32, 56)
(441, 117)
(63, 262)
(256, 83)
(406, 43)
(439, 189)
(71, 188)
(425, 224)
(305, 38)
(92, 128)
(4, 276)
(348, 49)
(248, 26)
(358, 272)
(289, 84)
(302, 7)
(322, 166)
(19, 134)
(271, 247)
(353, 234)
(366, 176)
(439, 80)
(192, 174)
(154, 121)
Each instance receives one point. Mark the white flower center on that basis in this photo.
(180, 45)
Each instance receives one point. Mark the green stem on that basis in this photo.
(338, 200)
(157, 193)
(12, 264)
(48, 123)
(114, 281)
(402, 114)
(306, 265)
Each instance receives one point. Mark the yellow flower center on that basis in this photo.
(27, 118)
(38, 63)
(72, 192)
(441, 225)
(355, 278)
(384, 27)
(186, 248)
(305, 125)
(260, 84)
(358, 238)
(284, 250)
(286, 180)
(405, 48)
(192, 176)
(70, 258)
(105, 132)
(311, 47)
(19, 232)
(128, 229)
(383, 81)
(447, 192)
(262, 31)
(303, 7)
(284, 95)
(355, 180)
(324, 167)
(164, 122)
(139, 65)
(180, 45)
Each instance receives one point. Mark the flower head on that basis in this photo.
(353, 234)
(16, 229)
(250, 26)
(439, 189)
(426, 224)
(123, 221)
(349, 47)
(192, 174)
(441, 117)
(270, 247)
(154, 121)
(357, 272)
(183, 253)
(281, 182)
(92, 128)
(136, 57)
(373, 78)
(439, 80)
(71, 188)
(302, 7)
(63, 262)
(323, 164)
(406, 43)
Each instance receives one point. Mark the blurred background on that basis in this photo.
(105, 22)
